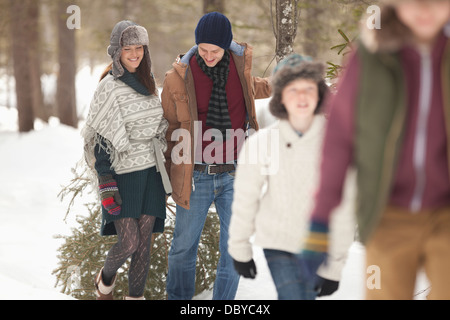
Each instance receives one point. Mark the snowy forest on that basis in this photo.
(44, 38)
(52, 53)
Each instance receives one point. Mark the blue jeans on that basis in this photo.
(289, 277)
(188, 228)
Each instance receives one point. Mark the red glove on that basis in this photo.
(109, 194)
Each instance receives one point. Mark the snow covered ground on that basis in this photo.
(34, 167)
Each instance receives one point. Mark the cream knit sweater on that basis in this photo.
(276, 178)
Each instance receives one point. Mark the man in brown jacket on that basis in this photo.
(208, 99)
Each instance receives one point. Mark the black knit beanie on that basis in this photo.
(214, 28)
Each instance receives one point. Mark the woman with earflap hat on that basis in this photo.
(124, 141)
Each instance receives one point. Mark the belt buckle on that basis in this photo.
(209, 166)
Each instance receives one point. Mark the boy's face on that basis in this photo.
(300, 98)
(425, 18)
(210, 53)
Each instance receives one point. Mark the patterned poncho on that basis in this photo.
(130, 126)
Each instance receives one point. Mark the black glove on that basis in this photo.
(325, 287)
(245, 269)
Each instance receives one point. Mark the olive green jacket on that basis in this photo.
(380, 119)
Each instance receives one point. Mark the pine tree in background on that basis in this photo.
(83, 253)
(345, 48)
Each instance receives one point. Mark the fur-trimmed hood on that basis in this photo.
(292, 68)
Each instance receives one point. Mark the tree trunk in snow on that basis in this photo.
(213, 5)
(65, 94)
(312, 28)
(19, 39)
(131, 9)
(285, 27)
(35, 61)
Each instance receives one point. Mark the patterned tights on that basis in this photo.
(134, 239)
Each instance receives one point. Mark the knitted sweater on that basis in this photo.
(275, 182)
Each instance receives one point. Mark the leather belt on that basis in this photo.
(214, 168)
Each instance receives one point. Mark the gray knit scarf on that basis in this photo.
(218, 116)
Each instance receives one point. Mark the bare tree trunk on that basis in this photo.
(20, 38)
(213, 5)
(35, 61)
(131, 9)
(312, 28)
(65, 94)
(8, 86)
(285, 26)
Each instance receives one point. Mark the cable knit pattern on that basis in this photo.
(274, 195)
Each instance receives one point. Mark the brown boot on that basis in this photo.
(102, 291)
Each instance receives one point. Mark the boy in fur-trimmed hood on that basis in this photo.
(286, 166)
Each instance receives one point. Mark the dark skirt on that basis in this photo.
(142, 192)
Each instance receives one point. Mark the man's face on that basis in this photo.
(210, 53)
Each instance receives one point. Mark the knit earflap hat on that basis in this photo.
(126, 33)
(214, 28)
(291, 68)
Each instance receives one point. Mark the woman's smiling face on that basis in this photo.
(131, 57)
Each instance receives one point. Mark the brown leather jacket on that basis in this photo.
(180, 109)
